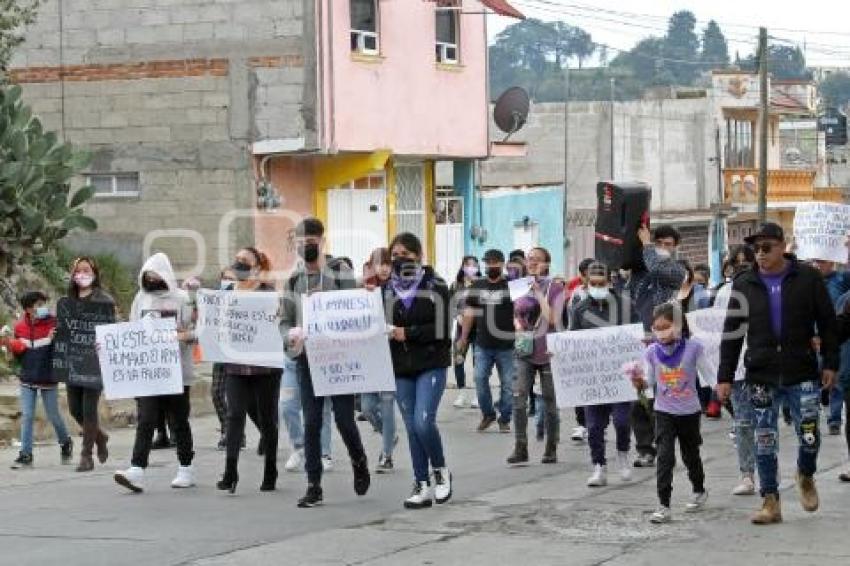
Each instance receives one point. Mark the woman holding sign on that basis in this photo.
(160, 297)
(85, 298)
(418, 310)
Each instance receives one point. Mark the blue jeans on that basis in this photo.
(379, 408)
(836, 403)
(745, 439)
(50, 398)
(804, 402)
(290, 411)
(418, 400)
(485, 359)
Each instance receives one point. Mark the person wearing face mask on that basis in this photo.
(84, 286)
(656, 283)
(418, 308)
(468, 274)
(317, 275)
(489, 308)
(604, 307)
(32, 346)
(161, 297)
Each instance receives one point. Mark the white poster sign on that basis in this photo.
(587, 365)
(706, 326)
(140, 359)
(240, 327)
(820, 231)
(346, 342)
(520, 287)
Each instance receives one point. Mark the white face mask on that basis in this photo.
(84, 280)
(663, 253)
(598, 293)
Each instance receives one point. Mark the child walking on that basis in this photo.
(671, 365)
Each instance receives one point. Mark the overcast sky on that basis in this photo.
(823, 24)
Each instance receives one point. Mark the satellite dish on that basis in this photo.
(511, 110)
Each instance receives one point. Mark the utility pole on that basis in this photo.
(613, 81)
(718, 233)
(566, 152)
(764, 119)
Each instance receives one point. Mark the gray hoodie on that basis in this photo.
(174, 303)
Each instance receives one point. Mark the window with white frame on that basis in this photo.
(114, 184)
(448, 33)
(364, 26)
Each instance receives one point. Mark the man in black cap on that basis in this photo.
(780, 305)
(490, 309)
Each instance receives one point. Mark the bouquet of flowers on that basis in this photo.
(634, 371)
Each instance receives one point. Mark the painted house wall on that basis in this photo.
(402, 99)
(503, 208)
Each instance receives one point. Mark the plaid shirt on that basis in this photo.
(657, 285)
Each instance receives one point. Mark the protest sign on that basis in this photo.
(706, 327)
(820, 231)
(75, 359)
(240, 327)
(346, 342)
(520, 287)
(587, 365)
(140, 359)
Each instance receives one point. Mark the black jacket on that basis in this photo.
(427, 326)
(807, 311)
(615, 311)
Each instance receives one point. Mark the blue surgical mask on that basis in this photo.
(42, 312)
(598, 293)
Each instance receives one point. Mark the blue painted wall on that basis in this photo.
(501, 210)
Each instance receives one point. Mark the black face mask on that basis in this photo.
(404, 267)
(242, 270)
(309, 251)
(494, 272)
(151, 286)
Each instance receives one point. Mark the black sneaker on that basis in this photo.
(362, 479)
(222, 444)
(23, 461)
(312, 498)
(834, 429)
(66, 451)
(385, 464)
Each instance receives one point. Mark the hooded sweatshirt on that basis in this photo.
(173, 303)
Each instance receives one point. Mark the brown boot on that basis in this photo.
(89, 435)
(808, 493)
(102, 451)
(770, 512)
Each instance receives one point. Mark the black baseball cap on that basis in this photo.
(494, 255)
(767, 230)
(517, 254)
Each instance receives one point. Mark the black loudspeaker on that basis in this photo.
(621, 208)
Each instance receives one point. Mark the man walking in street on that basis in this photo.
(780, 306)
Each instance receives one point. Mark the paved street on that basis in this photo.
(536, 515)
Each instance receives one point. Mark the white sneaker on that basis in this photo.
(133, 478)
(579, 434)
(599, 477)
(460, 401)
(443, 485)
(661, 516)
(697, 502)
(327, 464)
(625, 468)
(295, 462)
(185, 477)
(473, 403)
(421, 496)
(746, 487)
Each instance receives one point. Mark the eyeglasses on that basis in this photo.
(763, 247)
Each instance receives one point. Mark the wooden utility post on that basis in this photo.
(764, 120)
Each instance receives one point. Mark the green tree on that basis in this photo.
(715, 50)
(15, 15)
(835, 90)
(36, 206)
(784, 62)
(681, 47)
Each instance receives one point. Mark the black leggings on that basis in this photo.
(82, 404)
(667, 429)
(177, 408)
(252, 393)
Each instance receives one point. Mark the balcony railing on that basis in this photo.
(783, 185)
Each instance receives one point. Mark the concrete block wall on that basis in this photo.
(694, 244)
(176, 90)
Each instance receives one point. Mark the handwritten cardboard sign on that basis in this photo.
(820, 231)
(75, 359)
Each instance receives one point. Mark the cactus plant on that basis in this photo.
(37, 208)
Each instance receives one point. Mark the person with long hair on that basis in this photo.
(468, 273)
(418, 312)
(85, 286)
(251, 387)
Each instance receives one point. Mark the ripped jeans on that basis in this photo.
(804, 401)
(418, 400)
(745, 438)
